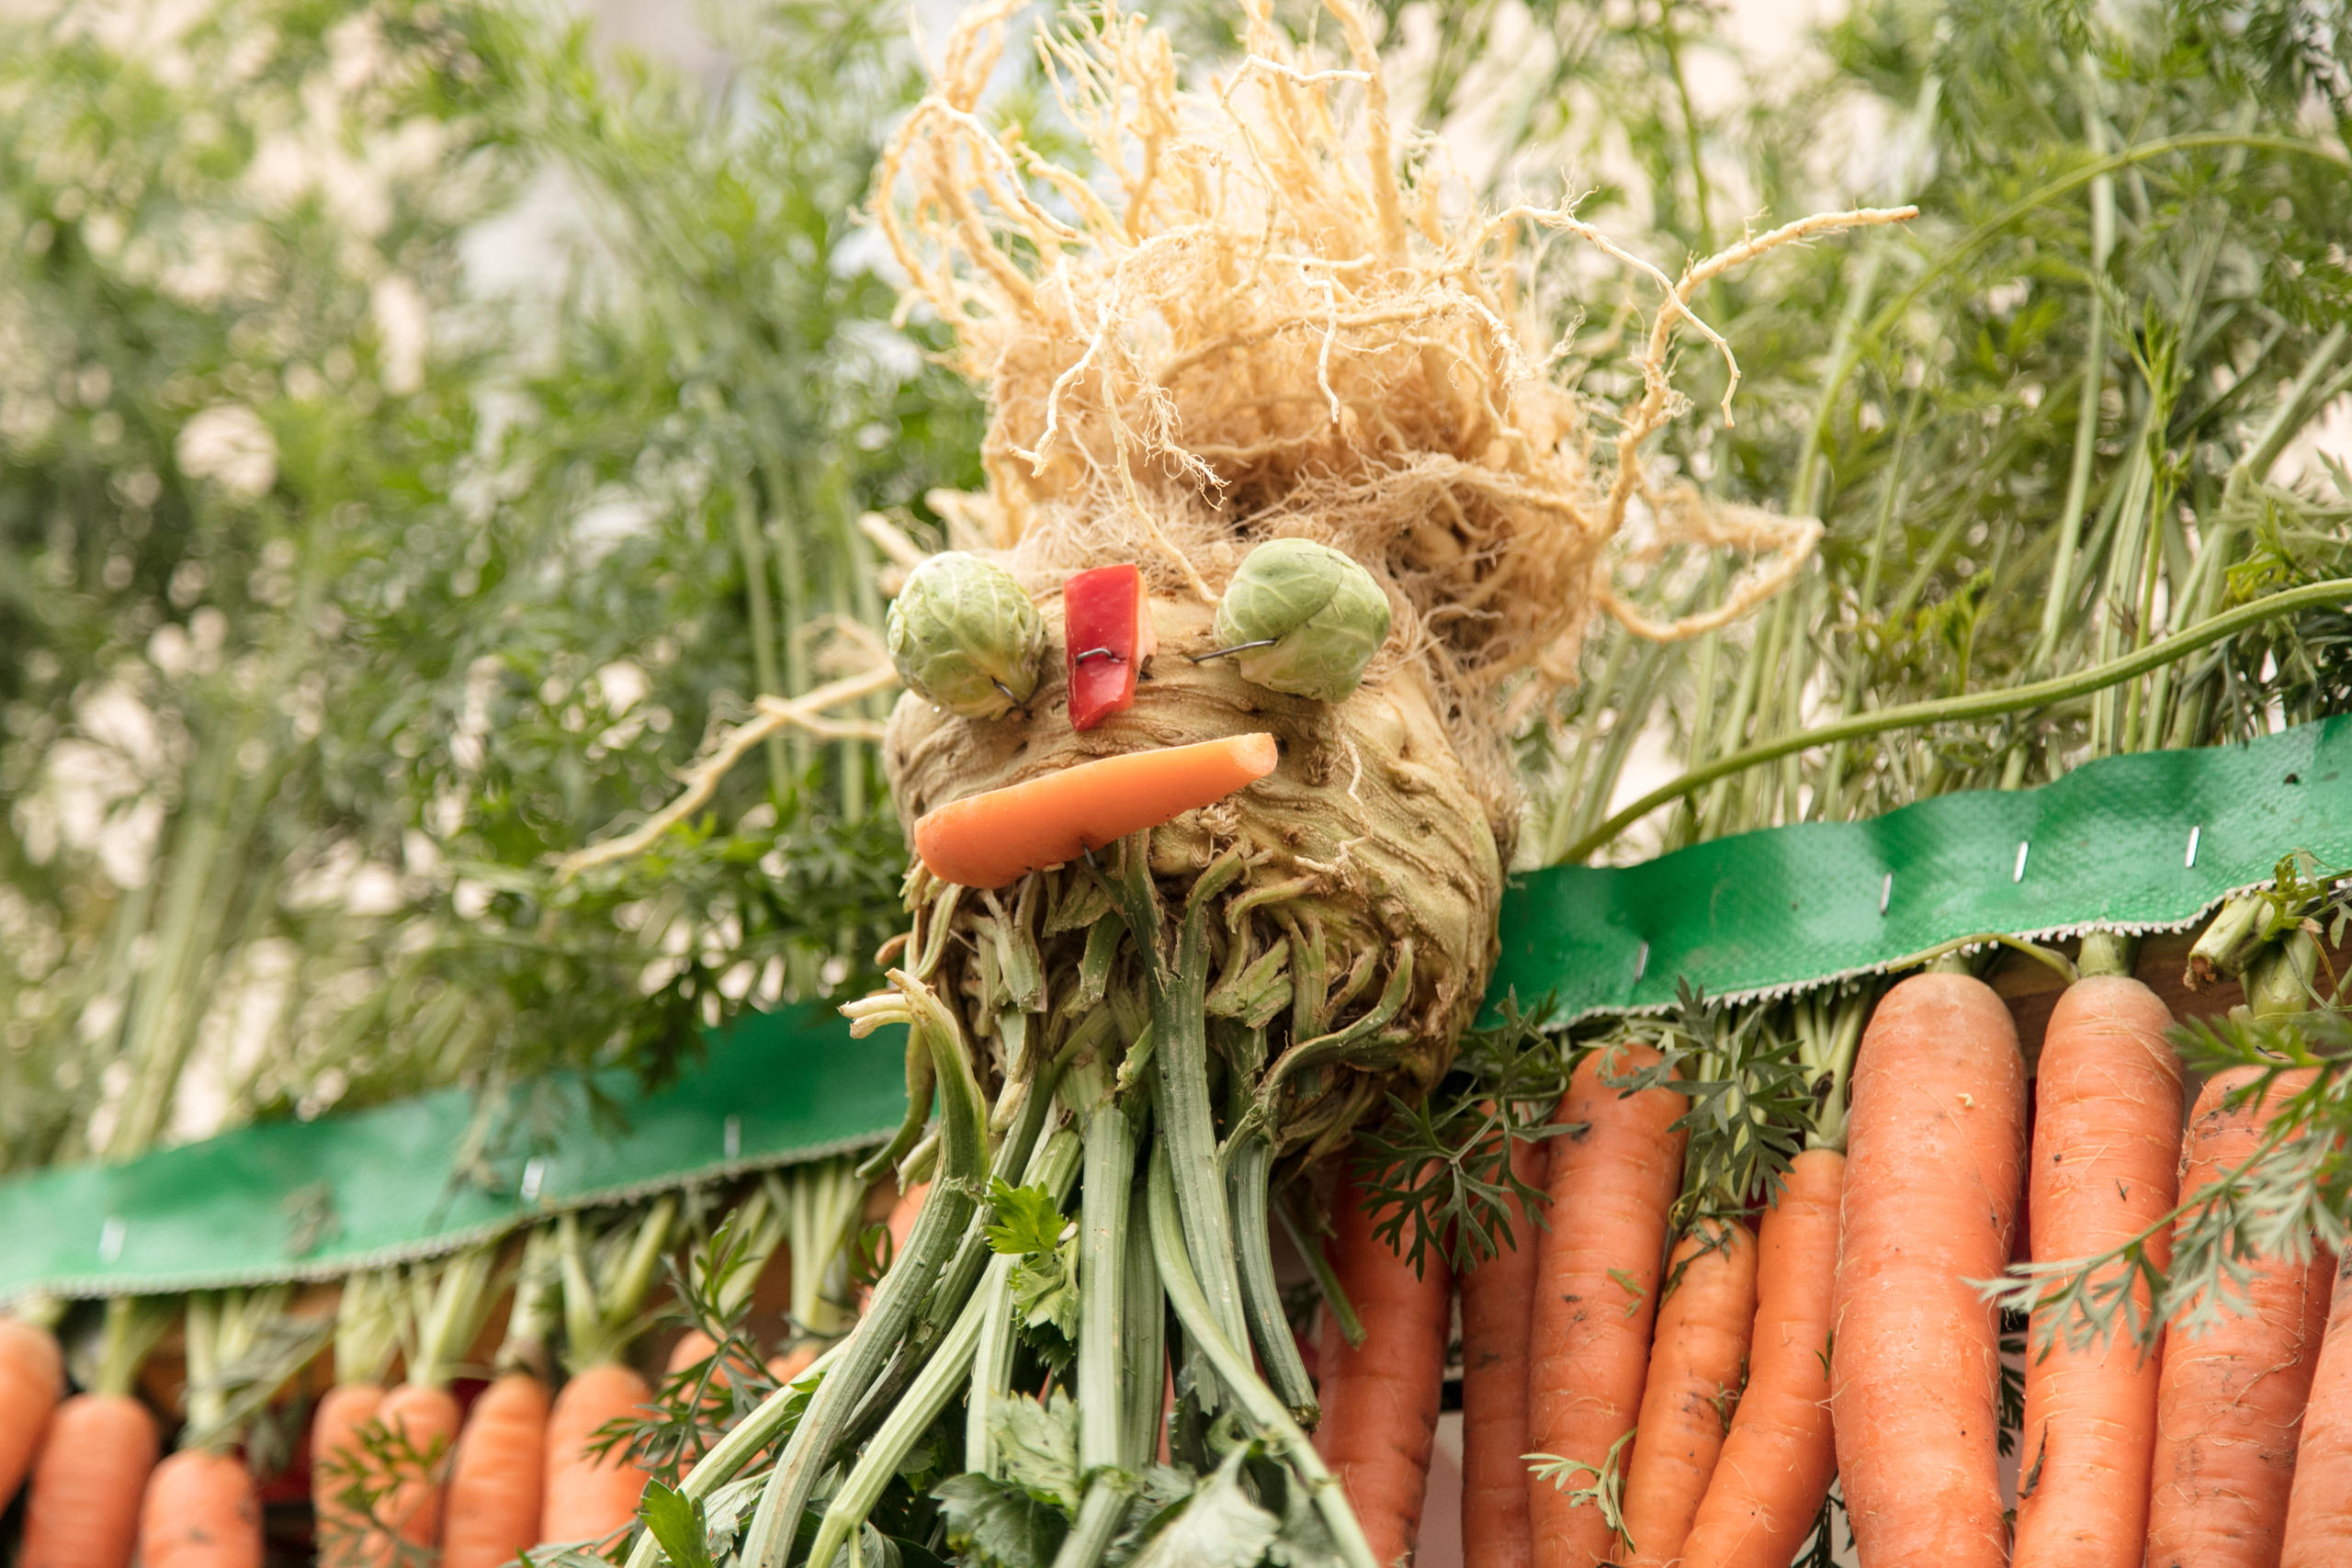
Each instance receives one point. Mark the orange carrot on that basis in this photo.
(32, 1379)
(591, 1496)
(424, 1419)
(497, 1475)
(201, 1511)
(84, 1507)
(1696, 1363)
(336, 1462)
(2106, 1133)
(1935, 1147)
(2319, 1509)
(989, 840)
(1380, 1399)
(1611, 1180)
(787, 1365)
(1778, 1459)
(1497, 1308)
(2229, 1402)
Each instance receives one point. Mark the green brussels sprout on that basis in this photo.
(965, 636)
(1303, 618)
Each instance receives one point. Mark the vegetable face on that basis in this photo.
(965, 636)
(1320, 614)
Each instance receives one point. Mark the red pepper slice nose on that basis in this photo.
(1106, 639)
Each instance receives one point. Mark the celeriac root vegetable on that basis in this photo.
(84, 1507)
(1497, 1315)
(1697, 1361)
(1778, 1458)
(497, 1477)
(2106, 1138)
(1380, 1399)
(201, 1511)
(2230, 1401)
(1613, 1177)
(1935, 1147)
(32, 1379)
(2319, 1507)
(989, 840)
(1266, 966)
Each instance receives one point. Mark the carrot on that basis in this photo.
(367, 1336)
(1380, 1399)
(32, 1379)
(497, 1476)
(1498, 1306)
(1696, 1363)
(2319, 1507)
(989, 840)
(1935, 1142)
(2229, 1402)
(590, 1497)
(337, 1461)
(83, 1508)
(1611, 1180)
(2106, 1126)
(201, 1511)
(787, 1365)
(423, 1417)
(1778, 1458)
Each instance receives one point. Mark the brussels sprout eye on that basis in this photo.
(965, 636)
(1302, 619)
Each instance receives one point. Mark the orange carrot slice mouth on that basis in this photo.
(987, 840)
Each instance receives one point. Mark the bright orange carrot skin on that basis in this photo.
(1380, 1399)
(343, 1538)
(1935, 1150)
(1610, 1183)
(590, 1497)
(1497, 1311)
(989, 840)
(32, 1379)
(82, 1511)
(201, 1511)
(1696, 1362)
(1778, 1459)
(787, 1365)
(2230, 1402)
(497, 1475)
(2319, 1509)
(426, 1419)
(2105, 1143)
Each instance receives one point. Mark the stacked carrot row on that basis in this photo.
(399, 1473)
(1637, 1397)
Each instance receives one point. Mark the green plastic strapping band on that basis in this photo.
(2133, 843)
